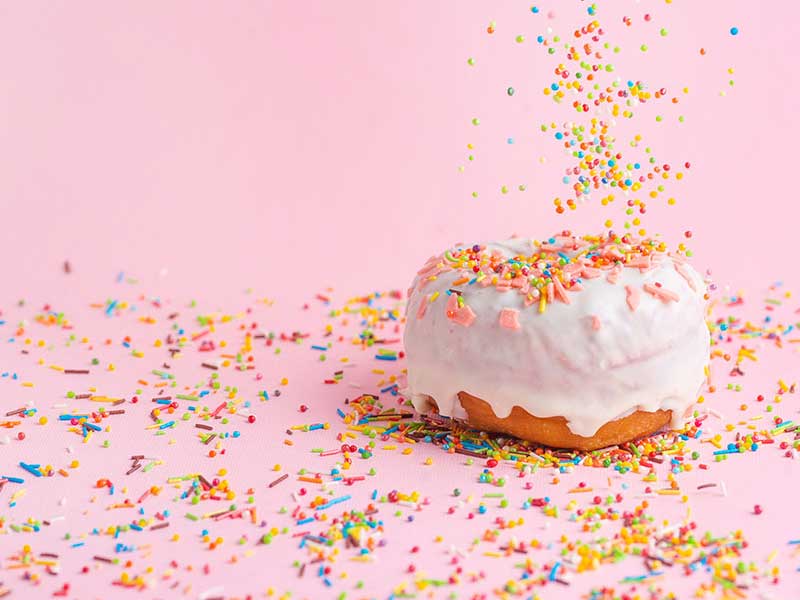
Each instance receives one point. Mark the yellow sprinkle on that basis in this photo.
(362, 558)
(772, 556)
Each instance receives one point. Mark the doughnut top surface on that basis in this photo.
(590, 328)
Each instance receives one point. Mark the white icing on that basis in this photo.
(556, 363)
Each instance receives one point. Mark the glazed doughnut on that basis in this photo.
(574, 342)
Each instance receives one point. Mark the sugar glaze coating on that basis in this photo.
(590, 329)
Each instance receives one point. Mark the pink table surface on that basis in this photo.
(248, 156)
(241, 565)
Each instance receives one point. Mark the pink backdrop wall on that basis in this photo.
(231, 142)
(208, 147)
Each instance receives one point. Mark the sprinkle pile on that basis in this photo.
(200, 440)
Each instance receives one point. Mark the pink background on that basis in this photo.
(217, 140)
(205, 148)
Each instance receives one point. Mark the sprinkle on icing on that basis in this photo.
(509, 318)
(452, 306)
(423, 305)
(464, 316)
(632, 297)
(683, 273)
(661, 293)
(458, 312)
(552, 271)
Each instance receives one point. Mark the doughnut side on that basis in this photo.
(554, 432)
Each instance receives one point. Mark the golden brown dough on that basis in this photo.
(553, 431)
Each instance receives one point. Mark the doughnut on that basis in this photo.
(570, 342)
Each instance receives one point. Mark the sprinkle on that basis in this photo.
(661, 293)
(462, 315)
(685, 274)
(423, 305)
(283, 477)
(509, 318)
(632, 297)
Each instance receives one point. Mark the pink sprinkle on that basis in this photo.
(530, 299)
(518, 281)
(613, 276)
(661, 293)
(632, 297)
(642, 262)
(452, 305)
(685, 274)
(677, 257)
(423, 306)
(429, 266)
(509, 318)
(596, 324)
(560, 292)
(550, 291)
(463, 316)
